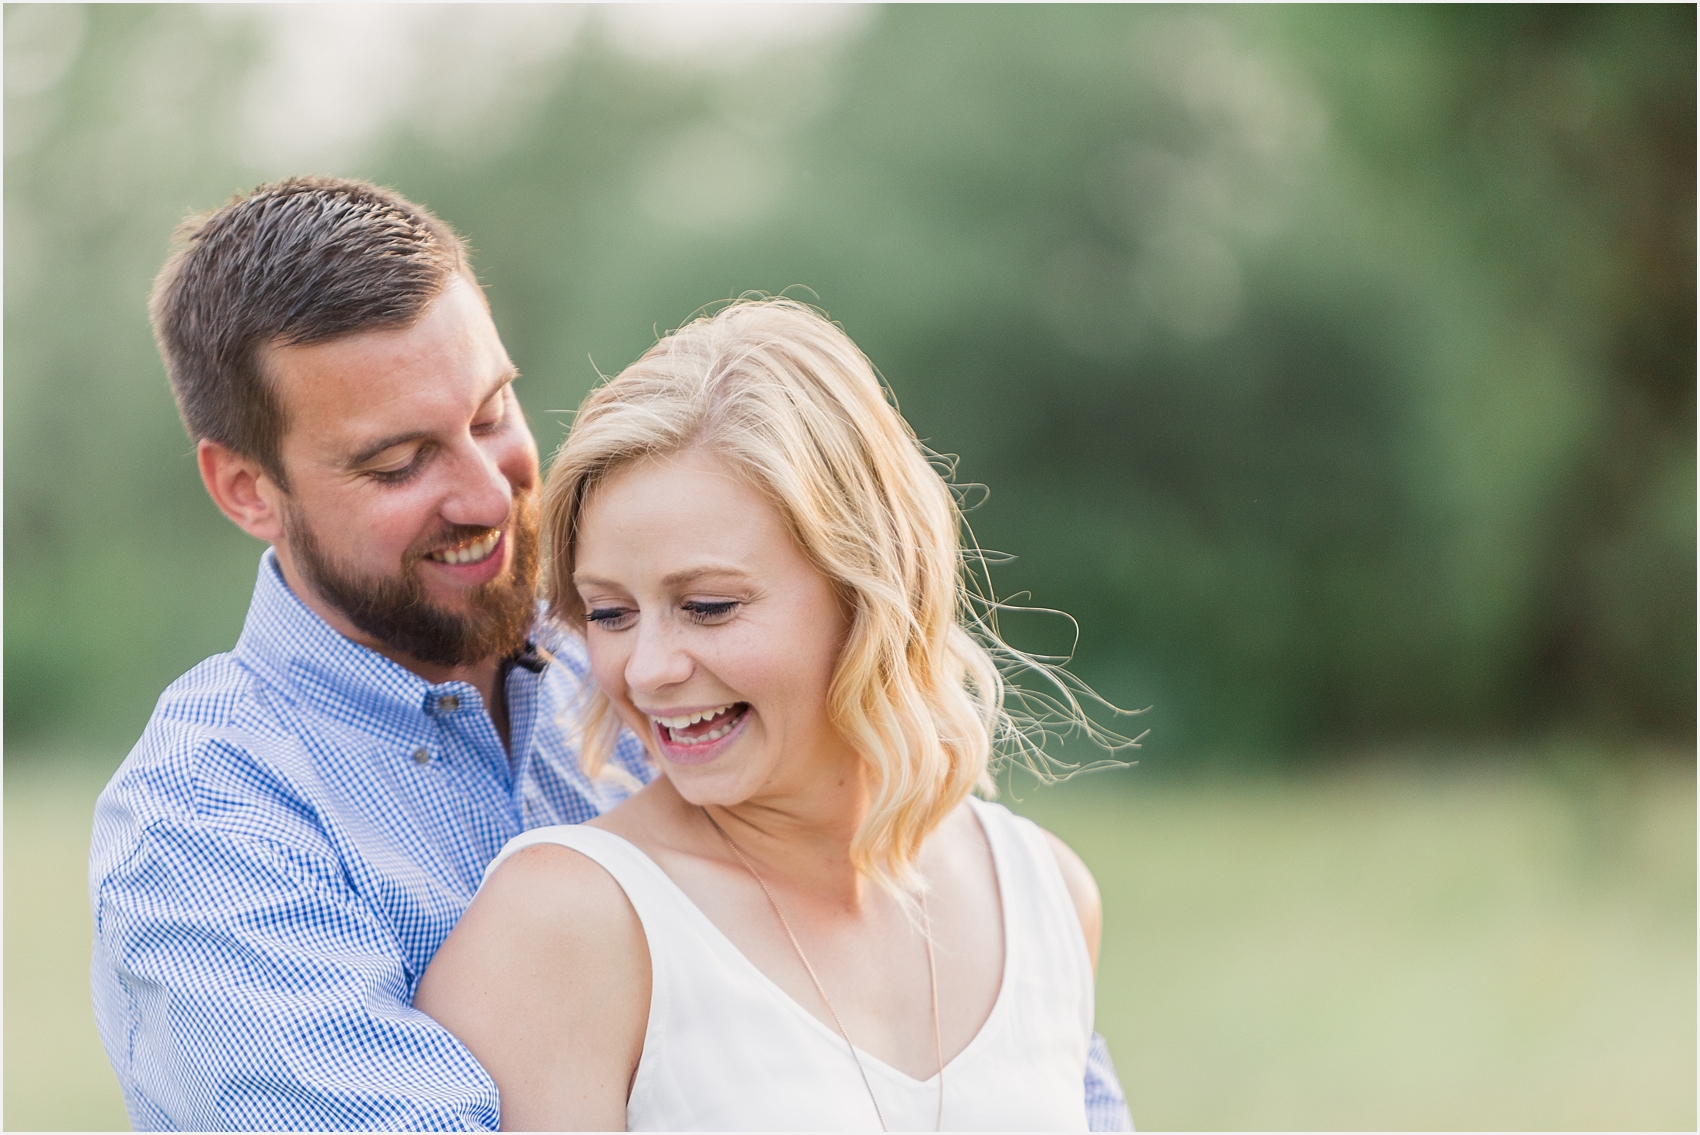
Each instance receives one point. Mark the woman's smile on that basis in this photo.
(708, 628)
(697, 738)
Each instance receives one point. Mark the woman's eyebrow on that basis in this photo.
(692, 575)
(581, 580)
(672, 580)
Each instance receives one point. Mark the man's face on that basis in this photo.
(411, 520)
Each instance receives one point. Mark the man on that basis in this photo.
(305, 818)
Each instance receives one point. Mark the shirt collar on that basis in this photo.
(303, 656)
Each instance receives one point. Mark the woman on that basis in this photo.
(806, 921)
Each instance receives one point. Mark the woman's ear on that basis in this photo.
(242, 490)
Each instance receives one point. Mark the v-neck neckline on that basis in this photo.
(822, 1027)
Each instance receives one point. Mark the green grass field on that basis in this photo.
(1506, 947)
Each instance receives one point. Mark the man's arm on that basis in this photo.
(1106, 1106)
(240, 983)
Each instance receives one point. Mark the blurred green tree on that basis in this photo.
(1333, 366)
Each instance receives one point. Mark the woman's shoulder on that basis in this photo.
(547, 892)
(1046, 845)
(553, 863)
(548, 969)
(598, 847)
(1082, 888)
(610, 867)
(993, 816)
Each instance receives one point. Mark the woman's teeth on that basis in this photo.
(674, 725)
(470, 552)
(714, 734)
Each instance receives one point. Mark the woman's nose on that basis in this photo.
(656, 662)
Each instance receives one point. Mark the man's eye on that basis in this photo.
(398, 465)
(611, 618)
(706, 612)
(397, 476)
(494, 415)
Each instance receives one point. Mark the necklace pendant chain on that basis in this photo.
(932, 980)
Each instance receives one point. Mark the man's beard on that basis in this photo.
(396, 611)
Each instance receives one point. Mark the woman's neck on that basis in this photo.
(799, 840)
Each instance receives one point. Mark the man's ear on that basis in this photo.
(243, 490)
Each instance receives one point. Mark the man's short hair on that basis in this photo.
(300, 261)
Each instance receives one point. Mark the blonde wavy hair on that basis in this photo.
(783, 396)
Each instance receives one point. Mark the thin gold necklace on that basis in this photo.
(932, 980)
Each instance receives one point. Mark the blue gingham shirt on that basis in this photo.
(277, 860)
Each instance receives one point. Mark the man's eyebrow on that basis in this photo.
(368, 452)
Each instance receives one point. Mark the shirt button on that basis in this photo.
(420, 756)
(448, 703)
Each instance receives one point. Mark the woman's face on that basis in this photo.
(712, 633)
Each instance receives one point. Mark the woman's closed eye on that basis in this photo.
(703, 612)
(611, 618)
(708, 612)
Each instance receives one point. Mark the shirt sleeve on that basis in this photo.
(1106, 1106)
(240, 983)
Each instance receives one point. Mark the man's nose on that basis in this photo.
(480, 494)
(656, 663)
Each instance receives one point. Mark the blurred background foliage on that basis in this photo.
(1332, 365)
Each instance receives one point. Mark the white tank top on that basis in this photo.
(728, 1050)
